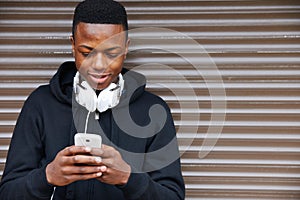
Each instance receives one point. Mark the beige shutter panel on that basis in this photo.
(255, 46)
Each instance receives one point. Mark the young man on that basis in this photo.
(139, 157)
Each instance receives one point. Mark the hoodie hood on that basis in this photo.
(62, 81)
(61, 84)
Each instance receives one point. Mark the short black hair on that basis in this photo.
(100, 12)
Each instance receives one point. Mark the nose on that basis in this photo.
(99, 62)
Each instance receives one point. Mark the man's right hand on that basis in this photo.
(72, 164)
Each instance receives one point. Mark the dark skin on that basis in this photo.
(99, 51)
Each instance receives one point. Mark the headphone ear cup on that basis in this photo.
(106, 98)
(110, 96)
(86, 97)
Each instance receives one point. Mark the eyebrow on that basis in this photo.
(113, 48)
(109, 49)
(87, 47)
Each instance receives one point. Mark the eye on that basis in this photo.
(85, 54)
(112, 55)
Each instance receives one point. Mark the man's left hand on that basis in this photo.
(116, 170)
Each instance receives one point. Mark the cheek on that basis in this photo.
(78, 60)
(81, 62)
(117, 64)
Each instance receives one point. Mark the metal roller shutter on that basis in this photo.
(256, 48)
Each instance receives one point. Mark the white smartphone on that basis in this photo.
(88, 140)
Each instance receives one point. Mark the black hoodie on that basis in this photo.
(140, 128)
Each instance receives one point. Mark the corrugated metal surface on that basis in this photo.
(256, 48)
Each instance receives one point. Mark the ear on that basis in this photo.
(126, 48)
(73, 44)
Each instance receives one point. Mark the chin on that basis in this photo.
(101, 86)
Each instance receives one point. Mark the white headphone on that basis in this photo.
(108, 98)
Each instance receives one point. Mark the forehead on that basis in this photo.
(98, 33)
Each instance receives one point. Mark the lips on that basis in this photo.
(99, 78)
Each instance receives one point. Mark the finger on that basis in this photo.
(73, 150)
(85, 169)
(103, 168)
(106, 176)
(104, 152)
(109, 162)
(82, 159)
(77, 177)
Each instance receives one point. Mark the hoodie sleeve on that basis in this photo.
(162, 178)
(24, 176)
